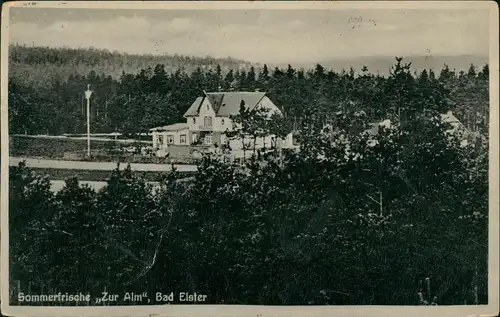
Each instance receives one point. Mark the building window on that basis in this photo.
(183, 138)
(207, 107)
(194, 138)
(208, 121)
(160, 141)
(222, 121)
(194, 120)
(208, 139)
(170, 139)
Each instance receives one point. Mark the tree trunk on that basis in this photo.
(254, 143)
(428, 284)
(244, 148)
(476, 295)
(280, 151)
(381, 203)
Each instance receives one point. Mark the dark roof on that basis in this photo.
(226, 103)
(215, 100)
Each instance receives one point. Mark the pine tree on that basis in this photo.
(251, 79)
(263, 80)
(228, 80)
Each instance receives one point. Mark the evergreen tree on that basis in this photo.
(228, 80)
(263, 80)
(251, 79)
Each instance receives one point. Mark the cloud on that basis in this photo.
(181, 24)
(270, 37)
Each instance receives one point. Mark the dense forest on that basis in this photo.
(363, 222)
(352, 218)
(46, 90)
(34, 63)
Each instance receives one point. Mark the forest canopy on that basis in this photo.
(46, 90)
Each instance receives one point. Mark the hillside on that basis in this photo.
(43, 65)
(382, 64)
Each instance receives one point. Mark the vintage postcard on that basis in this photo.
(222, 158)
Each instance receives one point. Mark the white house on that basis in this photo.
(459, 129)
(456, 129)
(208, 120)
(174, 134)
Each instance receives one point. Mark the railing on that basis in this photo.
(206, 127)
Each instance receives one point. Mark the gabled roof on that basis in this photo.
(195, 108)
(226, 103)
(449, 117)
(173, 127)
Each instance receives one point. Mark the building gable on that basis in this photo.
(225, 104)
(206, 109)
(266, 103)
(194, 108)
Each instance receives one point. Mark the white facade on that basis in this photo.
(163, 137)
(205, 125)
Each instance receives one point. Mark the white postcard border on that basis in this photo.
(236, 310)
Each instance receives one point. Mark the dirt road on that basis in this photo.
(107, 166)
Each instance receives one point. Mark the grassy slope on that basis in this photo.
(52, 148)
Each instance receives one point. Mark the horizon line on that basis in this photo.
(236, 59)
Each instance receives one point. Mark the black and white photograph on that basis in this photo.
(237, 158)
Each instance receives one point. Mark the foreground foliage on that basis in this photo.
(361, 228)
(352, 218)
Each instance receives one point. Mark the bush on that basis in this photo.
(355, 225)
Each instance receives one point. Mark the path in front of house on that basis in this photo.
(93, 137)
(102, 166)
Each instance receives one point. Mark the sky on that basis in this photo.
(272, 36)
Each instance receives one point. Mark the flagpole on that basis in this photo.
(88, 93)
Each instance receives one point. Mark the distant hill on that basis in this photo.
(382, 65)
(43, 64)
